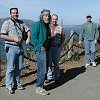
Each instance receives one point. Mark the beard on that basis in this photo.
(46, 21)
(15, 17)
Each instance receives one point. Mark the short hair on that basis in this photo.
(55, 15)
(12, 9)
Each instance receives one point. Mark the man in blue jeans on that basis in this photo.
(40, 33)
(57, 39)
(89, 33)
(12, 32)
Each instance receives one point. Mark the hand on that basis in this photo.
(27, 41)
(42, 48)
(18, 39)
(95, 41)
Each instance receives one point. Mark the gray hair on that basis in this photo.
(44, 12)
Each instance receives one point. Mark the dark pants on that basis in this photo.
(53, 56)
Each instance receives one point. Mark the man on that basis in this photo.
(89, 34)
(58, 38)
(12, 32)
(40, 33)
(0, 73)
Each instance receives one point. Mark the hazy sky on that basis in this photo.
(71, 11)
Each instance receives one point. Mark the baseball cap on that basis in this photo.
(88, 16)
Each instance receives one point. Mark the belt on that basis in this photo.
(55, 44)
(14, 44)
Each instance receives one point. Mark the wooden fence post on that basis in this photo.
(71, 44)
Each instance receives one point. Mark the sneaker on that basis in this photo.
(41, 91)
(94, 64)
(87, 65)
(10, 91)
(20, 87)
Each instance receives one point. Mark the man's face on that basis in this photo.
(89, 19)
(14, 14)
(46, 18)
(54, 20)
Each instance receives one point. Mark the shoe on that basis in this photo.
(20, 87)
(41, 91)
(94, 64)
(10, 91)
(48, 81)
(87, 65)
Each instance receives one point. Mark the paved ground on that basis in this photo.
(76, 84)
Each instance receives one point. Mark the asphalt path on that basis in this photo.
(75, 84)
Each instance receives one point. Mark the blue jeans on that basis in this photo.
(15, 59)
(41, 68)
(89, 45)
(53, 56)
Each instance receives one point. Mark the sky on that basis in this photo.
(70, 12)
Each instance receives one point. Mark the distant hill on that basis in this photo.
(28, 22)
(72, 26)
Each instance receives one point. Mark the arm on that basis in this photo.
(34, 36)
(7, 38)
(27, 32)
(81, 35)
(28, 37)
(10, 39)
(62, 37)
(97, 32)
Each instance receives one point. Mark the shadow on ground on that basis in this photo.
(98, 60)
(28, 74)
(66, 76)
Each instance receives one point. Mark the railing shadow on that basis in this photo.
(98, 60)
(30, 83)
(66, 76)
(28, 74)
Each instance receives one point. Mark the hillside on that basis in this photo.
(28, 22)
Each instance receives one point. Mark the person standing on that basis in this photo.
(12, 32)
(89, 33)
(0, 73)
(40, 33)
(57, 39)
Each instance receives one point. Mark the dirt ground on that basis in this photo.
(28, 75)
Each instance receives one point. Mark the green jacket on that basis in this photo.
(89, 31)
(39, 35)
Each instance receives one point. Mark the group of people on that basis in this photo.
(47, 37)
(44, 32)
